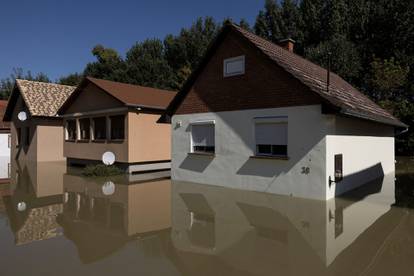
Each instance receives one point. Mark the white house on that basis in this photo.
(256, 116)
(5, 144)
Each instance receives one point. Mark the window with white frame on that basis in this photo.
(202, 137)
(71, 130)
(234, 66)
(271, 138)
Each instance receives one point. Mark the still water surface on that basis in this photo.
(66, 224)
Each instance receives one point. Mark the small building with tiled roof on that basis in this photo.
(5, 139)
(36, 130)
(106, 116)
(256, 116)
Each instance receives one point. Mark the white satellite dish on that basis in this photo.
(108, 188)
(108, 158)
(21, 206)
(22, 116)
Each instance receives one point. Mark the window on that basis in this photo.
(99, 128)
(85, 128)
(117, 127)
(71, 130)
(202, 138)
(271, 138)
(234, 66)
(19, 136)
(27, 140)
(338, 167)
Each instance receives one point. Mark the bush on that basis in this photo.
(101, 170)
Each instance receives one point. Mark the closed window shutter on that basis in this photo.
(203, 135)
(271, 133)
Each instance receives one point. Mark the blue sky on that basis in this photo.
(56, 36)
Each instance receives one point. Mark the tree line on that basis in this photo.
(371, 44)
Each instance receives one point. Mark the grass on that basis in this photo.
(101, 170)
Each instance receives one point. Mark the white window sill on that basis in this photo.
(202, 153)
(273, 157)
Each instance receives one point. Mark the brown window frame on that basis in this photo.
(105, 129)
(115, 137)
(88, 129)
(67, 134)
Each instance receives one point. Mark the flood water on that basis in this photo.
(53, 221)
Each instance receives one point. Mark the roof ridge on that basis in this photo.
(42, 82)
(243, 31)
(125, 83)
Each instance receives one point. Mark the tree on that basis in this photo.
(7, 84)
(146, 65)
(109, 64)
(334, 16)
(387, 80)
(345, 60)
(245, 25)
(311, 24)
(71, 79)
(291, 18)
(268, 22)
(188, 48)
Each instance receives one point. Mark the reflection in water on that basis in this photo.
(162, 228)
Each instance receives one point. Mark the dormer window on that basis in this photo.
(234, 66)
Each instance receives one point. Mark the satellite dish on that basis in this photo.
(21, 206)
(108, 158)
(108, 188)
(22, 116)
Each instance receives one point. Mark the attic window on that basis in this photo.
(234, 66)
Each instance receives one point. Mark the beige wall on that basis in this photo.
(145, 141)
(91, 99)
(90, 150)
(46, 137)
(149, 141)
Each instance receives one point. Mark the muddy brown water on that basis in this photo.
(53, 221)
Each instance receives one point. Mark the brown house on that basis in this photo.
(37, 135)
(102, 116)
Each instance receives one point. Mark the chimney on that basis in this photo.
(288, 44)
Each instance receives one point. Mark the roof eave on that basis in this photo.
(390, 122)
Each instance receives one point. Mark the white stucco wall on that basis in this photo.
(232, 165)
(368, 153)
(4, 155)
(4, 144)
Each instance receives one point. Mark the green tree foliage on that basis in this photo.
(269, 22)
(146, 65)
(387, 80)
(7, 84)
(189, 46)
(72, 79)
(109, 64)
(345, 59)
